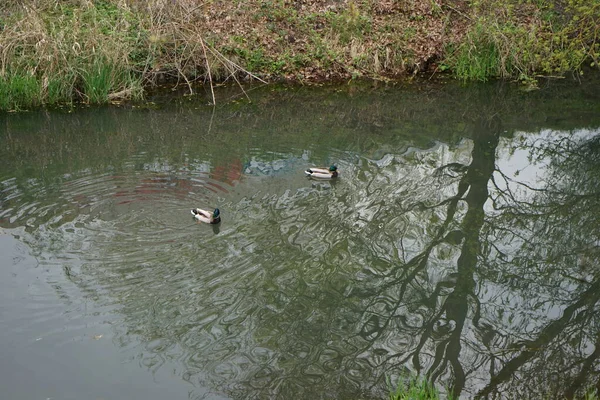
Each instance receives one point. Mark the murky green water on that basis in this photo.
(461, 242)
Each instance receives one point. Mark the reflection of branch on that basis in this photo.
(585, 370)
(472, 188)
(552, 207)
(419, 262)
(453, 199)
(509, 179)
(553, 329)
(508, 193)
(455, 167)
(425, 335)
(509, 229)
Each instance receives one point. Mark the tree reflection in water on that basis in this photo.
(519, 315)
(446, 262)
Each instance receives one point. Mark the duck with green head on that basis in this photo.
(322, 173)
(207, 216)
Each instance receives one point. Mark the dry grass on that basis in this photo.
(101, 50)
(63, 46)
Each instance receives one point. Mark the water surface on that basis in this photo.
(460, 242)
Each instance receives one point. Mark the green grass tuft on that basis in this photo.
(102, 78)
(60, 89)
(415, 389)
(477, 58)
(97, 81)
(19, 91)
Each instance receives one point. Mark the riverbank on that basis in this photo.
(97, 51)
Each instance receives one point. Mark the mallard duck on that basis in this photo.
(322, 173)
(207, 216)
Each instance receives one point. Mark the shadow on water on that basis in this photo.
(460, 242)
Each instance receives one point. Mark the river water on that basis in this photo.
(460, 242)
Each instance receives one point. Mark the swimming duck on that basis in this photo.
(207, 216)
(322, 173)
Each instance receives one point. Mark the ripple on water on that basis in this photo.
(271, 301)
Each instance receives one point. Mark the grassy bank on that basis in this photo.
(96, 51)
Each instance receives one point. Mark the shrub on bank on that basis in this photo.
(520, 39)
